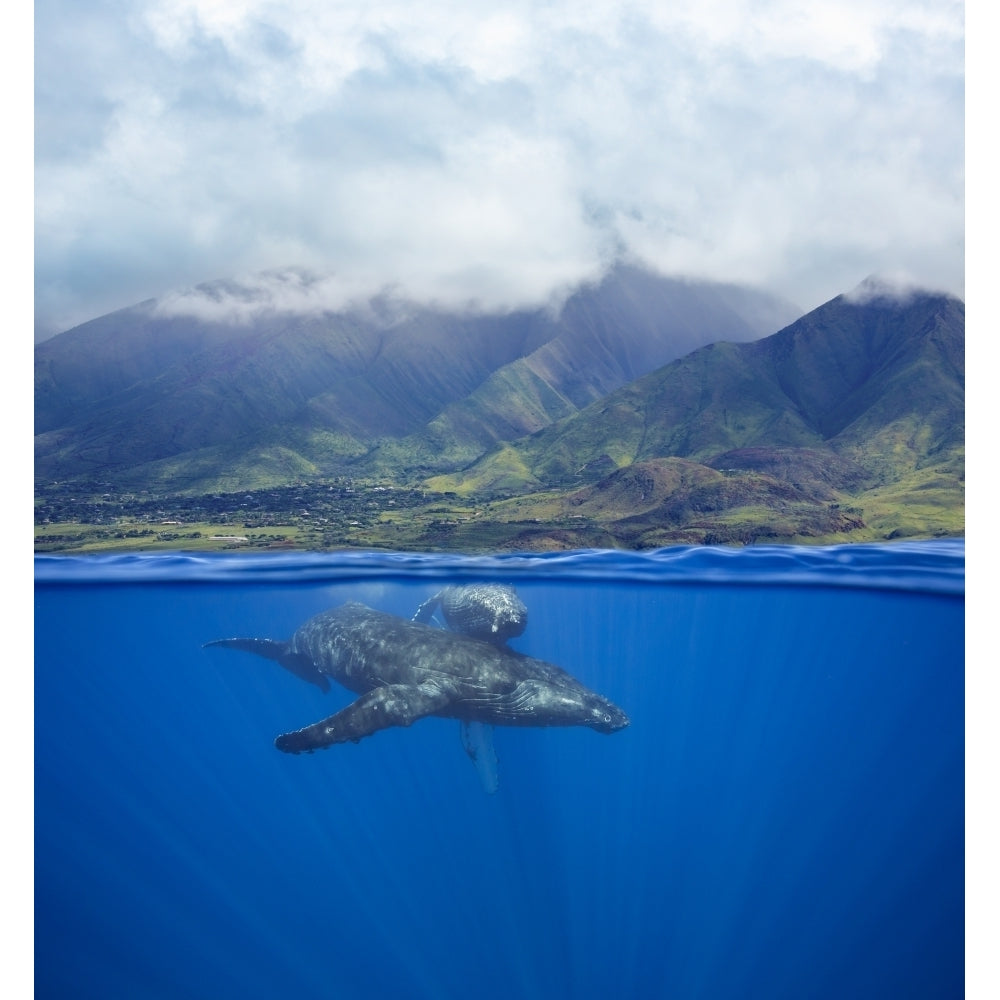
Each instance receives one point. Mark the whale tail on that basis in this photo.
(272, 649)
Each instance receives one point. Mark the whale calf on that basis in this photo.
(405, 670)
(489, 611)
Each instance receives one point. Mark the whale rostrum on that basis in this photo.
(405, 670)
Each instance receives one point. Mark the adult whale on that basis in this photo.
(404, 671)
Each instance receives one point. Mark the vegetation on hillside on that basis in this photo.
(847, 425)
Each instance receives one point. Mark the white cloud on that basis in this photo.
(492, 153)
(242, 299)
(898, 286)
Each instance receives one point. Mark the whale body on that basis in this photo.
(405, 670)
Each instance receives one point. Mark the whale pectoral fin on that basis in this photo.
(271, 649)
(426, 610)
(477, 738)
(381, 708)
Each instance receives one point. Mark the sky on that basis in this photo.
(490, 155)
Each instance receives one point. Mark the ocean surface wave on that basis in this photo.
(936, 567)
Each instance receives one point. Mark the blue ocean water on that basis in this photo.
(784, 817)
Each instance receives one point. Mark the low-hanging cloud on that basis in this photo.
(490, 157)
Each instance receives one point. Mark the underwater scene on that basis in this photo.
(690, 773)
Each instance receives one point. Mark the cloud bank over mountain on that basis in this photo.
(493, 156)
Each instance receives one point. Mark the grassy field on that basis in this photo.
(652, 505)
(538, 522)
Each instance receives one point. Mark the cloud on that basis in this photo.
(476, 154)
(895, 286)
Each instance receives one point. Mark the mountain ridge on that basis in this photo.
(846, 424)
(816, 381)
(787, 437)
(334, 388)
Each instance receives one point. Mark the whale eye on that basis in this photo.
(607, 718)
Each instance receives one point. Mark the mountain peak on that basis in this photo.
(887, 288)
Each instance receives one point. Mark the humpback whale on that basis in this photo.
(403, 671)
(489, 611)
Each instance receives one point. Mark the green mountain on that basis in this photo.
(646, 413)
(150, 400)
(851, 418)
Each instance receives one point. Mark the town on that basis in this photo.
(321, 515)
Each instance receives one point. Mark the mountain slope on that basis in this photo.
(847, 425)
(141, 397)
(606, 337)
(878, 383)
